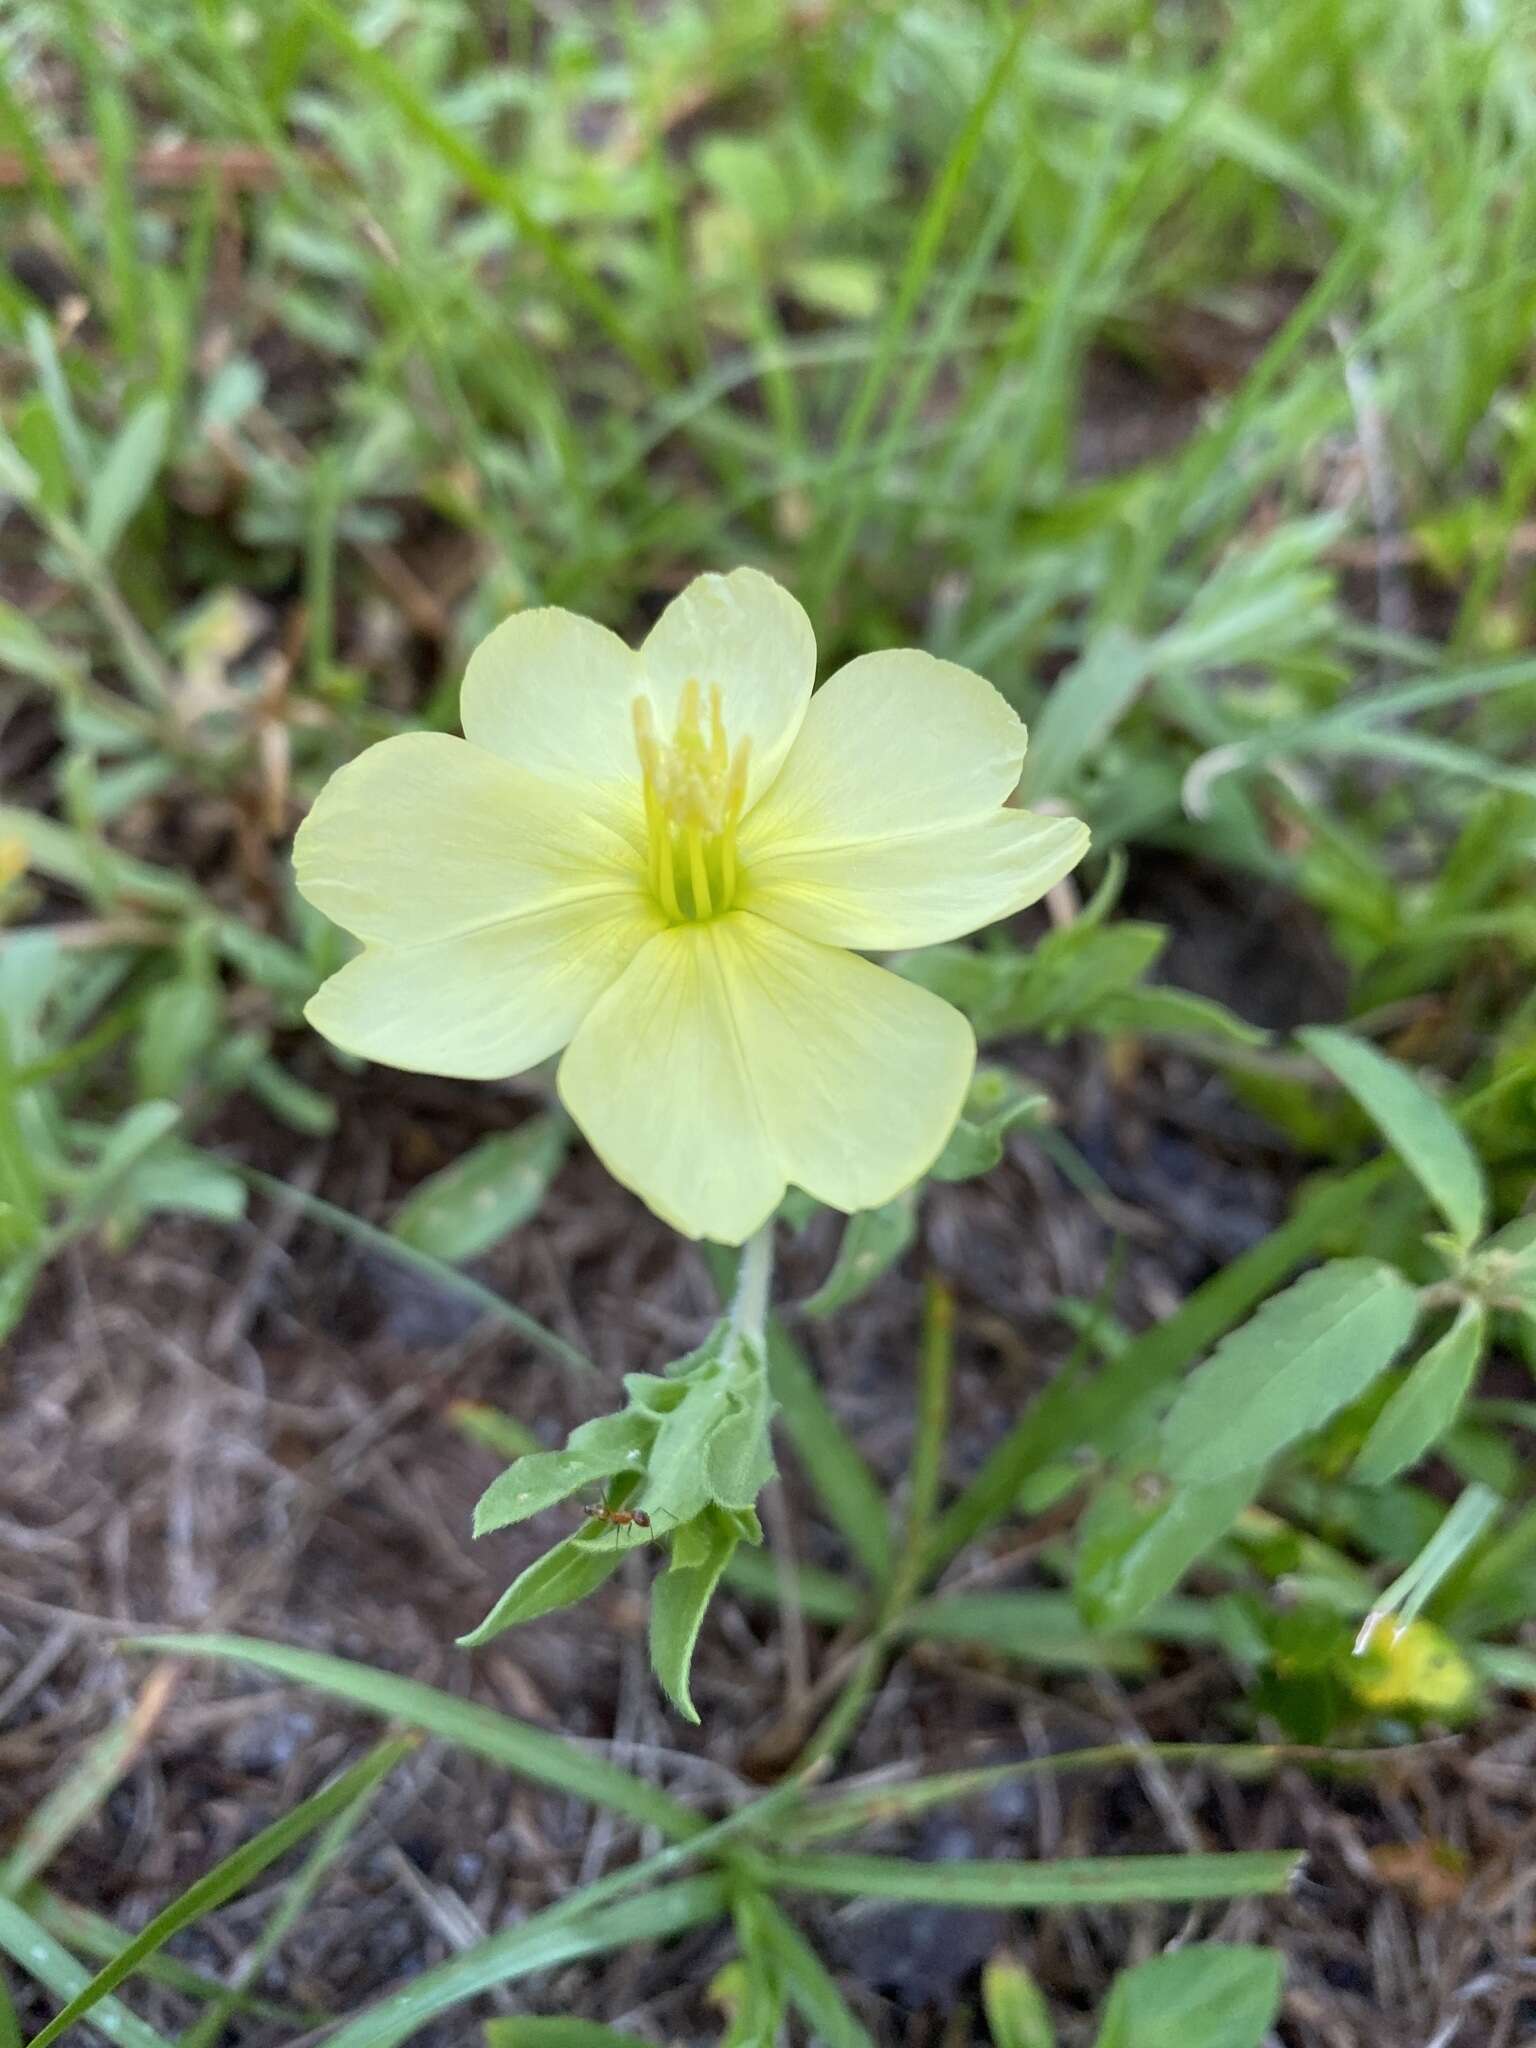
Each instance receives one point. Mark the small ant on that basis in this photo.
(617, 1519)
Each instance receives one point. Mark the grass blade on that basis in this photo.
(447, 1277)
(811, 1989)
(388, 84)
(538, 1944)
(532, 1752)
(535, 2032)
(227, 1878)
(820, 1595)
(936, 1362)
(879, 1803)
(300, 1889)
(584, 1914)
(1066, 1881)
(839, 1474)
(52, 1965)
(77, 1796)
(1046, 1630)
(922, 254)
(1463, 1526)
(92, 1934)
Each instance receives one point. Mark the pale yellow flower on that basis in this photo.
(661, 862)
(1411, 1665)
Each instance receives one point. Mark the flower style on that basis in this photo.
(667, 863)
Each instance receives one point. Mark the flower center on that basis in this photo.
(694, 790)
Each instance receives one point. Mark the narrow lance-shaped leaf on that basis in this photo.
(872, 1241)
(560, 1578)
(1307, 1353)
(1427, 1403)
(595, 1451)
(180, 1020)
(1159, 1012)
(177, 1178)
(700, 1553)
(1073, 1411)
(135, 1132)
(1142, 1533)
(1418, 1127)
(126, 477)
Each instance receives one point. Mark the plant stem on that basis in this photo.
(749, 1304)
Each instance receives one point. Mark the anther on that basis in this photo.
(695, 791)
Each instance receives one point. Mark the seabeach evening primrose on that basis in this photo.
(667, 863)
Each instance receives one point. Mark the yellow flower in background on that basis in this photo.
(1413, 1666)
(663, 862)
(13, 862)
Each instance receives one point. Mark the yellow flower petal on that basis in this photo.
(917, 890)
(893, 743)
(732, 1058)
(745, 633)
(424, 836)
(552, 692)
(487, 1003)
(655, 1079)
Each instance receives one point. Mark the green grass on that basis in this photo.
(1171, 366)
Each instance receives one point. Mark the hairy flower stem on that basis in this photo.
(754, 1275)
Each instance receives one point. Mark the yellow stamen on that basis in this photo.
(697, 872)
(695, 791)
(666, 879)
